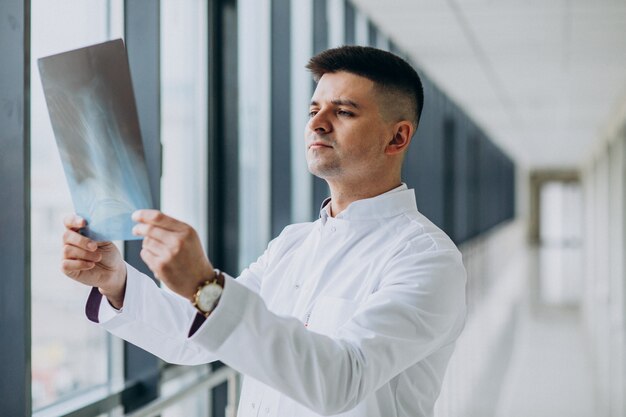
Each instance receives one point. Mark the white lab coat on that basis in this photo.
(353, 316)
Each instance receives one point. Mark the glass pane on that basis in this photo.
(69, 354)
(184, 112)
(560, 256)
(192, 405)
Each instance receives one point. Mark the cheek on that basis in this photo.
(371, 139)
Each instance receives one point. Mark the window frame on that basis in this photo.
(15, 320)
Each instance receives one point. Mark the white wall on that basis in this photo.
(604, 305)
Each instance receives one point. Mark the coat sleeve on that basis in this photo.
(157, 320)
(418, 309)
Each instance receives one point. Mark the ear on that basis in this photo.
(403, 132)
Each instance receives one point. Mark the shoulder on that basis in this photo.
(417, 232)
(295, 231)
(291, 235)
(424, 254)
(425, 260)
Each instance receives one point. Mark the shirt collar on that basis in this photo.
(388, 204)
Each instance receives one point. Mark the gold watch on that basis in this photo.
(208, 294)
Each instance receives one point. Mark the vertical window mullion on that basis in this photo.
(224, 212)
(15, 327)
(142, 27)
(280, 103)
(320, 42)
(372, 34)
(449, 165)
(349, 23)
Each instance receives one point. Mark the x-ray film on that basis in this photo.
(92, 109)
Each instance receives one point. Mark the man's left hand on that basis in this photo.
(172, 250)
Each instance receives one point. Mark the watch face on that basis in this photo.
(208, 296)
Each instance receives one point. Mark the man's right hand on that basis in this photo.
(97, 264)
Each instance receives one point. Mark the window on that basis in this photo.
(560, 259)
(184, 112)
(69, 354)
(254, 125)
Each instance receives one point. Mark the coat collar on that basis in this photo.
(389, 204)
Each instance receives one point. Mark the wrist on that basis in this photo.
(208, 293)
(116, 291)
(208, 273)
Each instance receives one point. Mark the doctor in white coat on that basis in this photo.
(355, 314)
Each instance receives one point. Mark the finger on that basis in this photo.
(157, 218)
(156, 255)
(73, 238)
(154, 232)
(74, 222)
(151, 259)
(75, 265)
(155, 246)
(76, 253)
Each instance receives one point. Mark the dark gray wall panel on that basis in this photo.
(424, 166)
(449, 174)
(463, 182)
(320, 43)
(474, 183)
(349, 23)
(15, 327)
(372, 34)
(223, 149)
(280, 116)
(142, 33)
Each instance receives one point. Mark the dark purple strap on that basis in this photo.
(197, 322)
(92, 308)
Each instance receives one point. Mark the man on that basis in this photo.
(355, 314)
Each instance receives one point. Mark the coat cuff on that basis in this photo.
(211, 332)
(99, 310)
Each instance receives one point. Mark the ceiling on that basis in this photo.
(541, 77)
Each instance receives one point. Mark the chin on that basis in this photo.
(323, 172)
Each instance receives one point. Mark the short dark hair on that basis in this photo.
(388, 71)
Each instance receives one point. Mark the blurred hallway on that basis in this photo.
(550, 372)
(524, 351)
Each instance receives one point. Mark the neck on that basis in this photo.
(342, 195)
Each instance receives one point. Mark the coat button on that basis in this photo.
(253, 405)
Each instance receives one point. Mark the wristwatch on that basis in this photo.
(206, 297)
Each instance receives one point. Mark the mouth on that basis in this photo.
(319, 145)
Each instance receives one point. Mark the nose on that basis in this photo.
(320, 123)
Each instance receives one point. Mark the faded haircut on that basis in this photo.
(393, 76)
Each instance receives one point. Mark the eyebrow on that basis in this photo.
(339, 102)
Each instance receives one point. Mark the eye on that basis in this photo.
(345, 113)
(312, 113)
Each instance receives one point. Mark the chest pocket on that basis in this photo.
(330, 313)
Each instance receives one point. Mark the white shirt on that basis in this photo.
(353, 316)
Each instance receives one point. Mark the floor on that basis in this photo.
(550, 374)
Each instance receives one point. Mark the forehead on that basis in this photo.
(344, 85)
